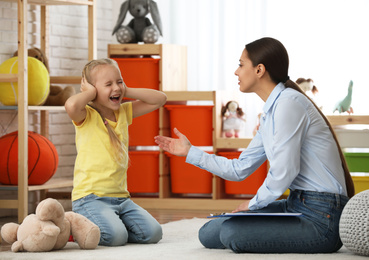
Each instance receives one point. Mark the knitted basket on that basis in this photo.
(354, 224)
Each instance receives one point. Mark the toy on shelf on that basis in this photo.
(257, 124)
(140, 28)
(50, 229)
(38, 82)
(310, 89)
(233, 119)
(42, 159)
(57, 95)
(345, 104)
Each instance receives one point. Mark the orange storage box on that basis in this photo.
(251, 184)
(143, 129)
(186, 178)
(139, 72)
(195, 122)
(143, 172)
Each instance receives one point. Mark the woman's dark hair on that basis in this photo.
(273, 55)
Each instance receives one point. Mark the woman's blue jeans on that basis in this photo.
(314, 232)
(120, 220)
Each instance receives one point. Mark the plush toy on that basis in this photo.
(43, 159)
(38, 82)
(232, 119)
(57, 95)
(308, 86)
(344, 105)
(140, 28)
(50, 229)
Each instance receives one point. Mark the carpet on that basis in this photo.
(179, 241)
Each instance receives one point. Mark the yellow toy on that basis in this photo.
(38, 82)
(50, 229)
(58, 95)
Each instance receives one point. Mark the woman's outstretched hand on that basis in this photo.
(179, 147)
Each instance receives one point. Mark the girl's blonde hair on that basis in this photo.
(120, 149)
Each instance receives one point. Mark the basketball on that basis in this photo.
(42, 159)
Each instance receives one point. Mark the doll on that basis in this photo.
(233, 119)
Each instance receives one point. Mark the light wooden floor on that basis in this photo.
(163, 216)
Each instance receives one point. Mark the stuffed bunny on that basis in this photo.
(140, 29)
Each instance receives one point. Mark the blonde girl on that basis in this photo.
(101, 122)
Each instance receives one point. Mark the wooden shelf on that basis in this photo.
(54, 183)
(232, 143)
(8, 77)
(189, 95)
(348, 119)
(22, 78)
(172, 63)
(57, 2)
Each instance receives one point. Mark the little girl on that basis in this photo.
(100, 174)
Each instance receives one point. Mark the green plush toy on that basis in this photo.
(38, 82)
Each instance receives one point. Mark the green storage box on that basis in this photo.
(357, 162)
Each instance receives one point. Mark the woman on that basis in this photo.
(304, 156)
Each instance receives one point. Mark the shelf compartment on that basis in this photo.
(58, 2)
(172, 61)
(143, 172)
(188, 179)
(53, 183)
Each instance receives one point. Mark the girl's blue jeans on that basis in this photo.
(314, 232)
(120, 220)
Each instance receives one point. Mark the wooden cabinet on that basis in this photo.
(21, 203)
(173, 81)
(172, 73)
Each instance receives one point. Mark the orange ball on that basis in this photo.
(42, 159)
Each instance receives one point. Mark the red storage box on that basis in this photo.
(251, 184)
(143, 129)
(143, 172)
(195, 122)
(139, 72)
(186, 178)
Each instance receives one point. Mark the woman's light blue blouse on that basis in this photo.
(296, 141)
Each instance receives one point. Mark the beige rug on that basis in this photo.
(179, 242)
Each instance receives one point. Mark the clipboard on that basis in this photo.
(253, 214)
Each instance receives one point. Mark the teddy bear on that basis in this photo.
(140, 28)
(57, 95)
(233, 119)
(50, 229)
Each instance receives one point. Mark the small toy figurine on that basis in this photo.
(140, 28)
(233, 119)
(308, 86)
(345, 104)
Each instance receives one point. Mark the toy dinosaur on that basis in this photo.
(345, 104)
